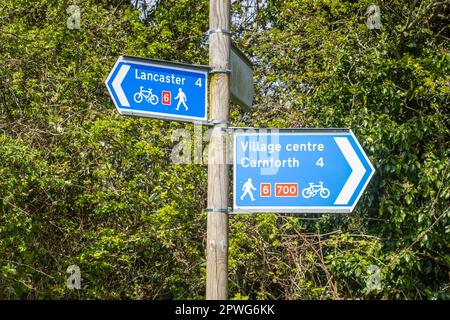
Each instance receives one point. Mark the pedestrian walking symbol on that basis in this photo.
(247, 188)
(181, 97)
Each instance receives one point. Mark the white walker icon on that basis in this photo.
(247, 188)
(181, 97)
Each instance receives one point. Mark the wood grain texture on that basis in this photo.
(217, 232)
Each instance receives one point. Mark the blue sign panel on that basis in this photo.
(157, 89)
(321, 170)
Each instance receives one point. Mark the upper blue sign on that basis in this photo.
(298, 170)
(158, 89)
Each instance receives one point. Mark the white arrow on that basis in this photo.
(117, 85)
(357, 174)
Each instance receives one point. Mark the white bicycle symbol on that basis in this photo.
(313, 189)
(147, 94)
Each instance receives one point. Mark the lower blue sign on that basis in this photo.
(159, 89)
(315, 170)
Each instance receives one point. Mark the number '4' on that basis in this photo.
(320, 162)
(199, 82)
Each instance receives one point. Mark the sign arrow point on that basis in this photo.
(332, 185)
(357, 174)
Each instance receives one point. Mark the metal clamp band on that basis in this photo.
(222, 210)
(219, 70)
(219, 121)
(226, 32)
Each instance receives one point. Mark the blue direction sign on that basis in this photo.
(311, 170)
(159, 89)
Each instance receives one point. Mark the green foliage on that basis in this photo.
(80, 184)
